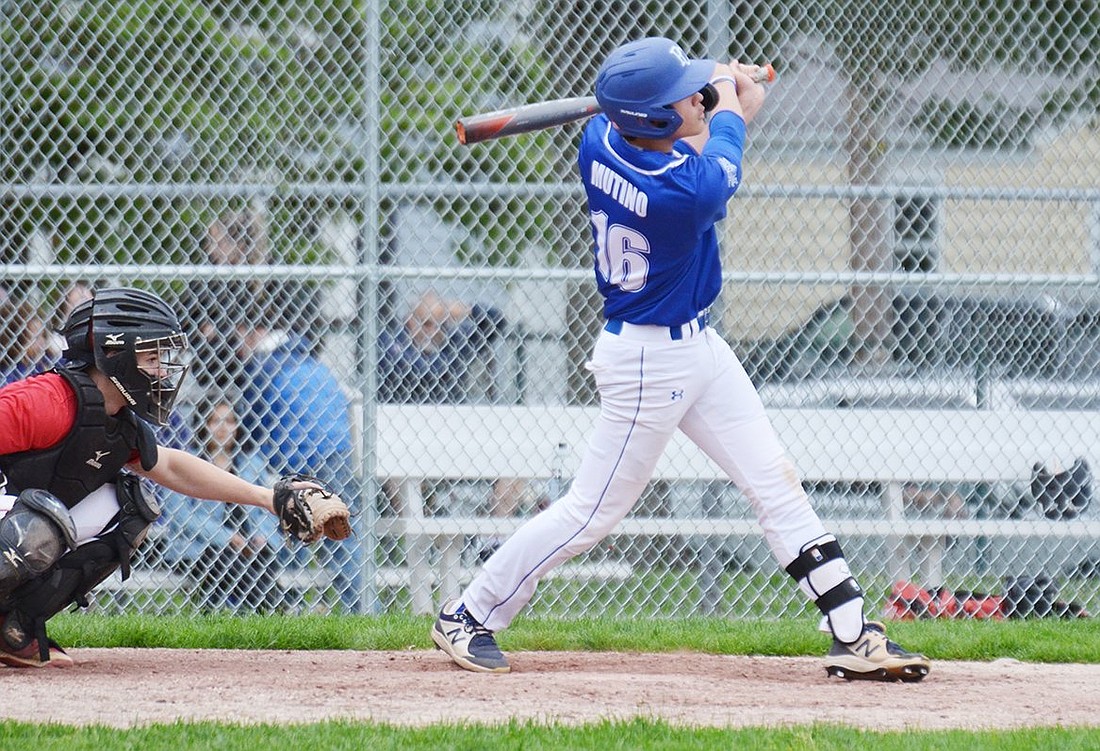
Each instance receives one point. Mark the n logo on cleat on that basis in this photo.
(866, 648)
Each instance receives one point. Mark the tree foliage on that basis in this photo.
(882, 45)
(442, 60)
(208, 92)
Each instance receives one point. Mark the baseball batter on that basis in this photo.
(658, 176)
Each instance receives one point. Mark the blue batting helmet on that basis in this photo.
(638, 83)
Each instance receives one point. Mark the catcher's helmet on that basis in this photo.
(135, 339)
(639, 82)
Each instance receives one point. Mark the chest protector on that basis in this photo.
(91, 454)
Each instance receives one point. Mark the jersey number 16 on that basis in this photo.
(620, 254)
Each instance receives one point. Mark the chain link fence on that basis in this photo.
(917, 243)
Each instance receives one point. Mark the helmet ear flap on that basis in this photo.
(640, 81)
(77, 331)
(710, 97)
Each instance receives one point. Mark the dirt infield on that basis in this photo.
(126, 687)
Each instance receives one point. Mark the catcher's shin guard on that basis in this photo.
(34, 534)
(823, 574)
(873, 657)
(77, 573)
(68, 582)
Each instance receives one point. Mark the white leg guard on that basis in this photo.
(823, 574)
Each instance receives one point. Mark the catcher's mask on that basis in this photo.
(135, 339)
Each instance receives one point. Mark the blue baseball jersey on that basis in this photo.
(653, 214)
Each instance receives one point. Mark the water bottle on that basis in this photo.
(555, 486)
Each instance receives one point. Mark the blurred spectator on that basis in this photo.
(220, 307)
(229, 551)
(428, 360)
(217, 306)
(295, 410)
(24, 342)
(934, 499)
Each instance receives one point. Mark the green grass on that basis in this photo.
(1040, 641)
(1043, 640)
(602, 736)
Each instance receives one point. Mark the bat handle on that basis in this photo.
(766, 74)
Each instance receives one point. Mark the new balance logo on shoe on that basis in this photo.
(866, 648)
(453, 635)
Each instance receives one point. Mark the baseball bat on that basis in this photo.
(541, 115)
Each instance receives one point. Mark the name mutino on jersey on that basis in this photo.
(619, 188)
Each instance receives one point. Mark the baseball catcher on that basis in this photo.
(77, 444)
(309, 510)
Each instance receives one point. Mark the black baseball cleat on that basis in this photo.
(466, 641)
(873, 657)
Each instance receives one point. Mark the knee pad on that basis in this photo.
(34, 535)
(823, 574)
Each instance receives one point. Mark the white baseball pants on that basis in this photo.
(91, 515)
(649, 385)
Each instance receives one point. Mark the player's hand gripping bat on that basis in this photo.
(542, 115)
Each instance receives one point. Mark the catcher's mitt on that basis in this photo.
(310, 513)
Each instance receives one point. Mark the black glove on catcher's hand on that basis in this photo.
(309, 510)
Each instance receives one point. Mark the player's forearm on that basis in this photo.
(184, 473)
(726, 81)
(750, 95)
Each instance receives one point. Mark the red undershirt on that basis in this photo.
(36, 413)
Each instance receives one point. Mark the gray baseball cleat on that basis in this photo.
(873, 657)
(466, 641)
